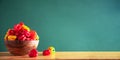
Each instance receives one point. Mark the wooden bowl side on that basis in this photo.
(21, 47)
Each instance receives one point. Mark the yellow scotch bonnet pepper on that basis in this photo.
(37, 37)
(52, 50)
(6, 35)
(26, 27)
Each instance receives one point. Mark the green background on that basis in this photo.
(68, 25)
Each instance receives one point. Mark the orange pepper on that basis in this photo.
(12, 37)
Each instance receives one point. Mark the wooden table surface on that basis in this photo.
(65, 55)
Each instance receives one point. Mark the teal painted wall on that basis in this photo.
(68, 25)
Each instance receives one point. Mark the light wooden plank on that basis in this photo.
(66, 55)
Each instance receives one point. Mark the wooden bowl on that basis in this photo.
(20, 48)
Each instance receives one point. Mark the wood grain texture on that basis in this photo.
(66, 55)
